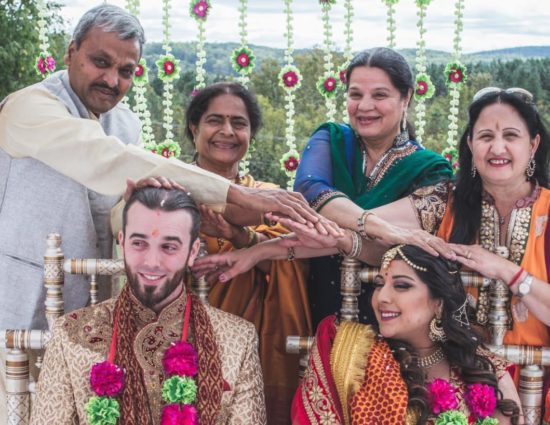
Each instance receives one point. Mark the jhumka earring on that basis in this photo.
(530, 170)
(437, 334)
(403, 136)
(474, 171)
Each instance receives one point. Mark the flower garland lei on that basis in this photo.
(424, 88)
(243, 62)
(290, 79)
(327, 84)
(179, 390)
(141, 79)
(455, 77)
(168, 70)
(348, 30)
(480, 399)
(44, 63)
(390, 22)
(199, 10)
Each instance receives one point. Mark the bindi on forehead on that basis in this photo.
(155, 232)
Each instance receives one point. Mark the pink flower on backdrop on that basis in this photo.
(243, 60)
(330, 84)
(201, 9)
(168, 67)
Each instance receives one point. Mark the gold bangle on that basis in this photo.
(356, 246)
(361, 225)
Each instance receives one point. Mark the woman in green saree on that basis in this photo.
(375, 160)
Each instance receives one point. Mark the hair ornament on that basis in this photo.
(461, 315)
(392, 253)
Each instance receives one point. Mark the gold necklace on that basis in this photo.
(431, 359)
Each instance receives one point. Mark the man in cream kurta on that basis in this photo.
(67, 147)
(159, 240)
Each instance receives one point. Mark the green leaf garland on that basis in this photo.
(390, 22)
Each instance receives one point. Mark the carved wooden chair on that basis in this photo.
(531, 359)
(20, 386)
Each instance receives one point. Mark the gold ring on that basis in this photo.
(469, 255)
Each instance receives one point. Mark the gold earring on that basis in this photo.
(530, 170)
(437, 333)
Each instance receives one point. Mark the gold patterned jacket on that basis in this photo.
(81, 339)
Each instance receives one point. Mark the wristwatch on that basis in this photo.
(524, 286)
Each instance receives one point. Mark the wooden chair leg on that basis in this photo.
(17, 387)
(530, 393)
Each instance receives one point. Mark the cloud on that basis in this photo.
(488, 24)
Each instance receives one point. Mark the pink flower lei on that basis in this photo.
(480, 399)
(179, 392)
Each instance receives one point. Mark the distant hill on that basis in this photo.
(218, 54)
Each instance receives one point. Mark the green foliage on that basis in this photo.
(20, 47)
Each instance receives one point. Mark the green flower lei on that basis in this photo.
(451, 417)
(424, 87)
(329, 95)
(102, 410)
(179, 389)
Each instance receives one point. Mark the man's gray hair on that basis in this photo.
(111, 19)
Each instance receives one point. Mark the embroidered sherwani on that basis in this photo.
(82, 338)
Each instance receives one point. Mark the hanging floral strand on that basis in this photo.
(44, 63)
(242, 58)
(455, 77)
(243, 61)
(168, 68)
(328, 83)
(348, 31)
(424, 88)
(290, 80)
(141, 80)
(199, 10)
(390, 22)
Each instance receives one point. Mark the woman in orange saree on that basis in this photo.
(221, 121)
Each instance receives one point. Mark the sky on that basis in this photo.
(488, 24)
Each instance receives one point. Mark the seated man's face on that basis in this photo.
(101, 69)
(156, 253)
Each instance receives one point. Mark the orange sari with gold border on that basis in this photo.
(278, 305)
(536, 261)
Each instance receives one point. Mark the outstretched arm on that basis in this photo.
(495, 267)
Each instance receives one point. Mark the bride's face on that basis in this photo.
(403, 305)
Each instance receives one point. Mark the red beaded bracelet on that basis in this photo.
(516, 277)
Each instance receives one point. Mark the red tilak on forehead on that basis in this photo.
(155, 232)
